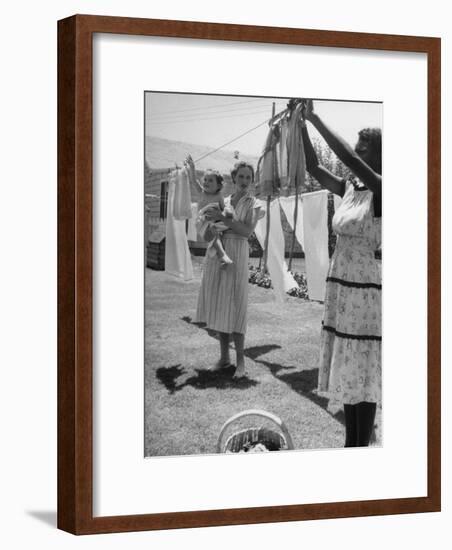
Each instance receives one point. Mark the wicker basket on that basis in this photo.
(247, 438)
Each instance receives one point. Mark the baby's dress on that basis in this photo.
(206, 201)
(350, 350)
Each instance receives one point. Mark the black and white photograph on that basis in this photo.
(263, 254)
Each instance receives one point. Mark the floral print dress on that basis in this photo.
(350, 350)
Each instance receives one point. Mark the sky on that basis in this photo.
(215, 120)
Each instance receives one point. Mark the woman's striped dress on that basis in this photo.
(223, 296)
(350, 358)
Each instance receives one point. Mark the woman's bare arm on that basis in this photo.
(370, 178)
(320, 173)
(241, 228)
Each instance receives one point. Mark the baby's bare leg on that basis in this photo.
(223, 257)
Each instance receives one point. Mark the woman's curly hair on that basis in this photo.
(373, 137)
(241, 164)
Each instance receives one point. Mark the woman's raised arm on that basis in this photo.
(321, 174)
(370, 178)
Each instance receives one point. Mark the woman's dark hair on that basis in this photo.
(218, 176)
(238, 165)
(372, 136)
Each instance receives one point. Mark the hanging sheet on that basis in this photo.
(288, 206)
(315, 228)
(177, 254)
(182, 196)
(282, 280)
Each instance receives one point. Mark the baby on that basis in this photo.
(211, 197)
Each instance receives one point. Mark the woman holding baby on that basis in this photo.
(223, 297)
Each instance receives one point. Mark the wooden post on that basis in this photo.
(267, 232)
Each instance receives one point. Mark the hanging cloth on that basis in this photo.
(192, 234)
(283, 156)
(315, 226)
(282, 279)
(288, 207)
(295, 149)
(267, 174)
(177, 254)
(337, 201)
(182, 196)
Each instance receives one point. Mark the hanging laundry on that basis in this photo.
(315, 229)
(283, 155)
(295, 150)
(267, 173)
(288, 207)
(337, 201)
(182, 196)
(177, 254)
(192, 234)
(282, 280)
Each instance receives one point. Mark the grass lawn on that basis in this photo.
(186, 405)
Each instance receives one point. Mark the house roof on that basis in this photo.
(164, 153)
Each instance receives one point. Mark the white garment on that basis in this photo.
(337, 201)
(288, 206)
(192, 234)
(182, 196)
(315, 225)
(282, 280)
(177, 253)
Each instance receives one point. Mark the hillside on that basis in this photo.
(164, 153)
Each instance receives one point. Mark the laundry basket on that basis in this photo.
(249, 431)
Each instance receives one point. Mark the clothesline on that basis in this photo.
(232, 140)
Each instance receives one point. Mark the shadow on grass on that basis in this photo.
(251, 352)
(303, 382)
(221, 379)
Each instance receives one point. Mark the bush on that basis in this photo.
(259, 278)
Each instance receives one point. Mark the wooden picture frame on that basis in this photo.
(75, 274)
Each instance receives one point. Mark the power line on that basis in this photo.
(220, 110)
(185, 120)
(232, 140)
(214, 106)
